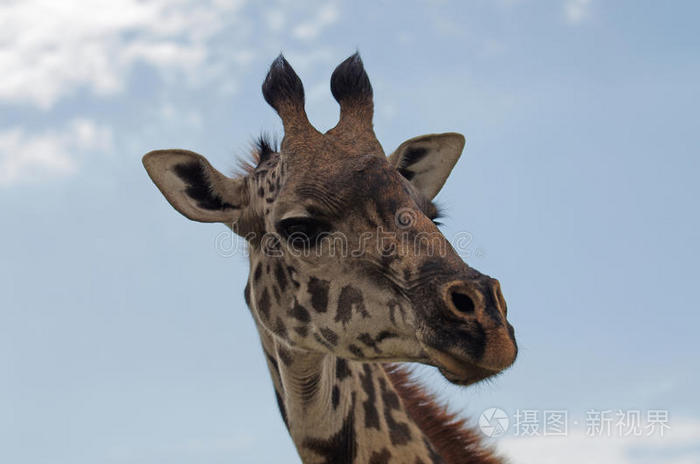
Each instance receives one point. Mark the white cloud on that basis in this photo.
(327, 15)
(576, 11)
(275, 19)
(48, 48)
(677, 446)
(51, 49)
(30, 158)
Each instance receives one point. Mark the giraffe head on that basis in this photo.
(345, 255)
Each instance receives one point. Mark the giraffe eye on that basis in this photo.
(301, 232)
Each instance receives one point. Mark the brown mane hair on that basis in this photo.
(453, 439)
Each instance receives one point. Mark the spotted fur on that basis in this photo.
(328, 322)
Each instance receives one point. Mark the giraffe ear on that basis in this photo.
(194, 187)
(427, 160)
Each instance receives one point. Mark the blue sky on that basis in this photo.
(123, 333)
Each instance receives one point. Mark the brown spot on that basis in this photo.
(354, 349)
(394, 305)
(263, 304)
(384, 334)
(329, 335)
(380, 457)
(350, 299)
(276, 292)
(284, 355)
(299, 313)
(369, 341)
(339, 448)
(279, 328)
(293, 276)
(319, 294)
(399, 433)
(280, 275)
(335, 396)
(321, 341)
(369, 405)
(341, 369)
(303, 331)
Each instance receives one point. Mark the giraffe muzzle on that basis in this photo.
(472, 339)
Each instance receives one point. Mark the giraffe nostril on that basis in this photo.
(462, 302)
(498, 295)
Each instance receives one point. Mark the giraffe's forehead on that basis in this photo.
(344, 184)
(327, 156)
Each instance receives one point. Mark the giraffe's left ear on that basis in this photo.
(427, 160)
(194, 187)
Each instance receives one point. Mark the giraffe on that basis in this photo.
(350, 275)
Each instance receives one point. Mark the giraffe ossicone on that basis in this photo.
(348, 272)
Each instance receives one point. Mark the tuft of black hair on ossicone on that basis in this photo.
(282, 84)
(350, 80)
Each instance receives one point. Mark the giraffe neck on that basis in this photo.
(340, 411)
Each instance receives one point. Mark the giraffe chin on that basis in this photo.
(476, 374)
(457, 371)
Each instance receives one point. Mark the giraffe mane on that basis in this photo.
(261, 149)
(454, 440)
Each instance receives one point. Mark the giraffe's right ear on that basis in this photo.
(427, 160)
(194, 187)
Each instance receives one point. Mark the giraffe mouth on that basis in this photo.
(458, 371)
(475, 375)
